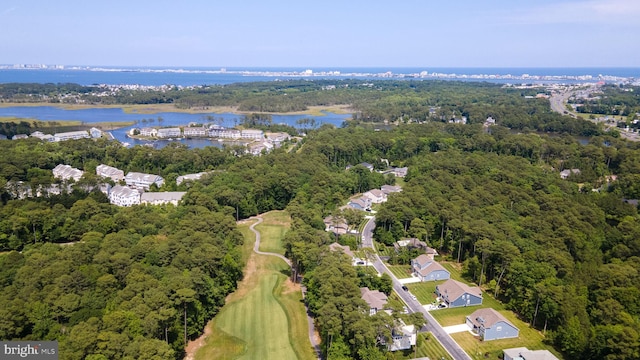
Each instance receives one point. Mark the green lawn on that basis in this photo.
(529, 337)
(429, 347)
(265, 318)
(259, 320)
(400, 271)
(424, 291)
(274, 225)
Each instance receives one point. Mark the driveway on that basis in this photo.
(456, 328)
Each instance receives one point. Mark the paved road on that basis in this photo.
(256, 249)
(438, 332)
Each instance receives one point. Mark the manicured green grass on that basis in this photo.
(272, 229)
(259, 320)
(429, 347)
(400, 271)
(424, 291)
(265, 318)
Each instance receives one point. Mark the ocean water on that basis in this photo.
(218, 76)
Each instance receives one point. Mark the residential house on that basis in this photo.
(198, 131)
(426, 269)
(229, 134)
(277, 138)
(564, 174)
(361, 203)
(400, 172)
(42, 136)
(388, 189)
(190, 177)
(403, 337)
(457, 294)
(256, 148)
(110, 172)
(3, 137)
(491, 325)
(413, 243)
(19, 137)
(522, 353)
(216, 130)
(18, 189)
(71, 135)
(66, 172)
(376, 196)
(335, 225)
(489, 122)
(162, 198)
(335, 247)
(375, 299)
(365, 164)
(152, 132)
(143, 181)
(124, 196)
(95, 133)
(166, 133)
(252, 134)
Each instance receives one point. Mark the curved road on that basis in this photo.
(256, 249)
(438, 332)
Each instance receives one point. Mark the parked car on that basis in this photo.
(405, 288)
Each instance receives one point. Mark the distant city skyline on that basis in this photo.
(411, 33)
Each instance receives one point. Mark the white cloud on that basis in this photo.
(574, 12)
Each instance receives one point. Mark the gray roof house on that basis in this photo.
(375, 299)
(564, 174)
(123, 196)
(426, 269)
(337, 226)
(388, 189)
(161, 198)
(142, 180)
(491, 325)
(110, 172)
(191, 177)
(345, 249)
(376, 196)
(457, 294)
(169, 132)
(414, 243)
(361, 203)
(71, 135)
(522, 353)
(66, 172)
(402, 337)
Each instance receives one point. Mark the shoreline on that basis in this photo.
(162, 108)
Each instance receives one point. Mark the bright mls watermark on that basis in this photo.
(32, 350)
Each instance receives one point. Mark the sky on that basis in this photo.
(322, 33)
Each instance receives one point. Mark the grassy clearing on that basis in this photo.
(272, 229)
(39, 123)
(265, 318)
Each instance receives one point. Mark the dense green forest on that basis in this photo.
(563, 254)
